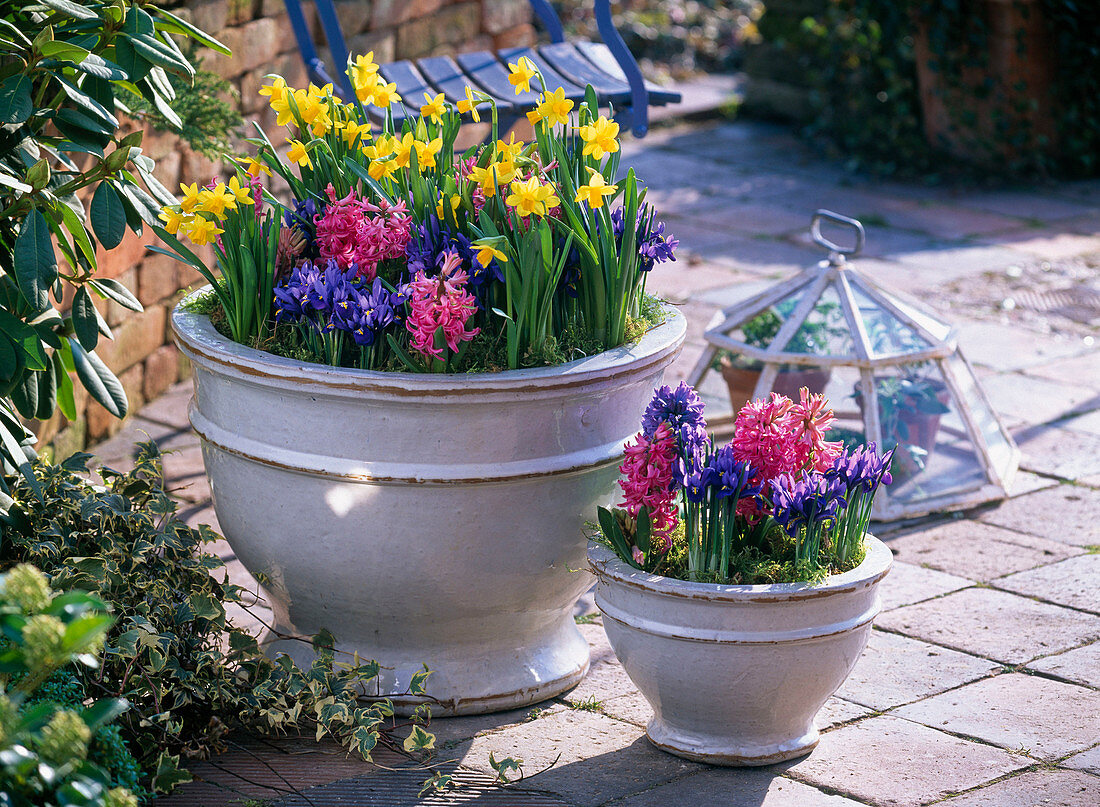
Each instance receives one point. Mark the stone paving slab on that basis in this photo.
(1059, 452)
(1007, 348)
(1036, 400)
(1056, 788)
(746, 787)
(976, 551)
(1066, 513)
(889, 761)
(994, 624)
(1085, 761)
(1074, 582)
(908, 583)
(598, 758)
(1083, 369)
(1080, 665)
(1047, 719)
(894, 670)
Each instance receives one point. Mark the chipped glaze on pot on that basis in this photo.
(736, 674)
(423, 519)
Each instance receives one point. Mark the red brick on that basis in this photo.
(452, 25)
(102, 423)
(128, 254)
(158, 278)
(135, 339)
(161, 371)
(211, 15)
(387, 13)
(219, 63)
(521, 36)
(382, 43)
(259, 41)
(239, 11)
(502, 15)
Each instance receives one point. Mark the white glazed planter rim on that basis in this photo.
(200, 336)
(606, 562)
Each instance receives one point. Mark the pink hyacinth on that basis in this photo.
(437, 303)
(348, 233)
(647, 472)
(778, 436)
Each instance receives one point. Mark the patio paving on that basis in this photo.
(979, 685)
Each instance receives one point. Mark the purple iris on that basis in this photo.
(429, 244)
(863, 468)
(334, 300)
(806, 502)
(682, 409)
(653, 245)
(696, 475)
(732, 476)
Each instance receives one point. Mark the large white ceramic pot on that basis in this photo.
(423, 519)
(736, 674)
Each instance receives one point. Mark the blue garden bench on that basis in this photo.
(608, 66)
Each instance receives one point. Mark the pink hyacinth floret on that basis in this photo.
(778, 436)
(357, 233)
(441, 302)
(647, 480)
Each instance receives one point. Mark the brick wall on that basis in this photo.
(259, 33)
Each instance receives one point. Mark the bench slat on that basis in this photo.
(492, 75)
(445, 74)
(550, 75)
(603, 59)
(566, 60)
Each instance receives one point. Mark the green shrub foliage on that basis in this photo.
(56, 747)
(190, 676)
(860, 57)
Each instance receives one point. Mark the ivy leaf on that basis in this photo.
(97, 378)
(168, 773)
(15, 99)
(85, 321)
(418, 740)
(104, 711)
(416, 686)
(108, 216)
(504, 766)
(35, 262)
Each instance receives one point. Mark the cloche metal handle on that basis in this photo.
(836, 218)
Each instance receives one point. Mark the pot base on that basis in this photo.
(727, 750)
(496, 681)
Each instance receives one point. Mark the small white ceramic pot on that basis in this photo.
(736, 674)
(423, 519)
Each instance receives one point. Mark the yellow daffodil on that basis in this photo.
(243, 196)
(554, 107)
(600, 137)
(425, 152)
(253, 167)
(216, 201)
(383, 147)
(521, 73)
(382, 169)
(510, 150)
(190, 197)
(352, 130)
(531, 197)
(486, 253)
(277, 88)
(299, 154)
(454, 202)
(493, 176)
(174, 219)
(402, 150)
(468, 105)
(596, 189)
(380, 94)
(434, 109)
(203, 231)
(364, 74)
(320, 93)
(534, 117)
